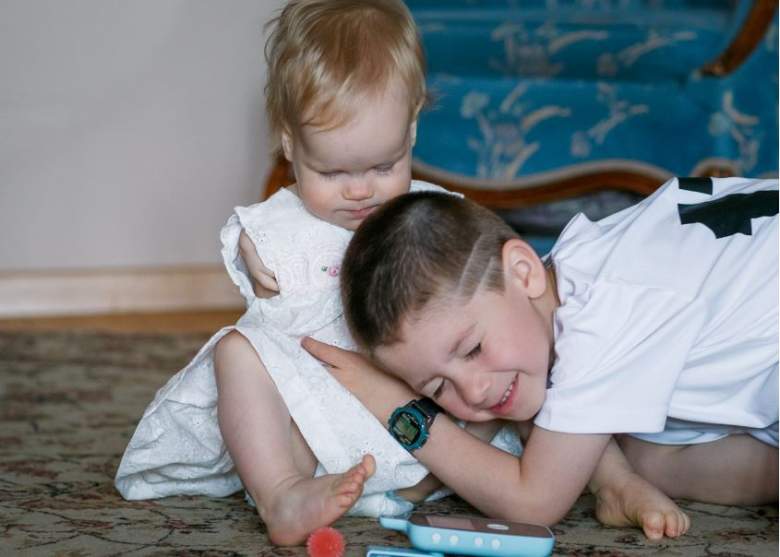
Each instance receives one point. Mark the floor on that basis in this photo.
(70, 399)
(168, 322)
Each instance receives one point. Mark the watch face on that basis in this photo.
(406, 429)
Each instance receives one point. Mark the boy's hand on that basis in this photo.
(263, 280)
(380, 392)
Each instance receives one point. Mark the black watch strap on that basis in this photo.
(410, 424)
(429, 408)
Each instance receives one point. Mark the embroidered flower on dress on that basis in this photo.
(332, 270)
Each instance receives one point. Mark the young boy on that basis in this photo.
(659, 322)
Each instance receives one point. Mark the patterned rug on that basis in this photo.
(70, 401)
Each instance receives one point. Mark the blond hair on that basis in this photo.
(324, 54)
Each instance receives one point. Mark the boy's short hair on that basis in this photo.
(418, 248)
(324, 54)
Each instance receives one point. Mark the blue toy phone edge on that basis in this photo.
(391, 551)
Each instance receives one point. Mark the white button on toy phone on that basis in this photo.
(495, 544)
(436, 537)
(478, 542)
(453, 540)
(494, 526)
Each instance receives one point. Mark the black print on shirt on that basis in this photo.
(701, 185)
(727, 215)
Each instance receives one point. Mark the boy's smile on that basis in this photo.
(482, 359)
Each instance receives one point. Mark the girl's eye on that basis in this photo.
(474, 352)
(329, 175)
(383, 168)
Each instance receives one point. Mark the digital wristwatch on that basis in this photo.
(410, 424)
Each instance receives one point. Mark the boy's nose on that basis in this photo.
(357, 188)
(474, 389)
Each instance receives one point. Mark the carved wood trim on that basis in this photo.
(640, 179)
(515, 194)
(744, 42)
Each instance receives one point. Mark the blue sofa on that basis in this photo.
(530, 90)
(537, 103)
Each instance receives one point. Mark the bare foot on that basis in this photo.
(636, 502)
(301, 505)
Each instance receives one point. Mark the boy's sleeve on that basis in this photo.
(619, 353)
(234, 263)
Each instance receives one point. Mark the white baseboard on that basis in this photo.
(51, 293)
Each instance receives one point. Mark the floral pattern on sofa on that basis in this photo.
(525, 88)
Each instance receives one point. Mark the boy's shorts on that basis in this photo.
(679, 432)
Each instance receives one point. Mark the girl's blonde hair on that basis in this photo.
(323, 55)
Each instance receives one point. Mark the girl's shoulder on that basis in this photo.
(303, 251)
(421, 185)
(282, 205)
(284, 216)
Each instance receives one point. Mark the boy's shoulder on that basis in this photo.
(696, 224)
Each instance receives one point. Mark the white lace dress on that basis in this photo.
(177, 448)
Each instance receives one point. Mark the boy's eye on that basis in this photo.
(437, 393)
(329, 175)
(474, 352)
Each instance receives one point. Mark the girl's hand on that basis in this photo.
(263, 280)
(380, 392)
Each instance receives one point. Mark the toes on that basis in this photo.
(653, 525)
(369, 465)
(673, 525)
(363, 470)
(351, 489)
(669, 524)
(677, 524)
(686, 523)
(349, 484)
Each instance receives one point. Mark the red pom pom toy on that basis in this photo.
(325, 542)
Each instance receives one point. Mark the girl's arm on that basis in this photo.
(263, 280)
(540, 487)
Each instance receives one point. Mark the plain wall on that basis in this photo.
(128, 129)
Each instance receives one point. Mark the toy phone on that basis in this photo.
(471, 535)
(387, 551)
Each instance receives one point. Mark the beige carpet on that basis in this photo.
(70, 401)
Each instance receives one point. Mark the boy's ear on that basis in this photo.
(523, 268)
(287, 145)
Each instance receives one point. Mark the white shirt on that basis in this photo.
(661, 318)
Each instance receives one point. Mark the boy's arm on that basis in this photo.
(540, 487)
(430, 483)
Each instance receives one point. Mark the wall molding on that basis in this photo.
(95, 291)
